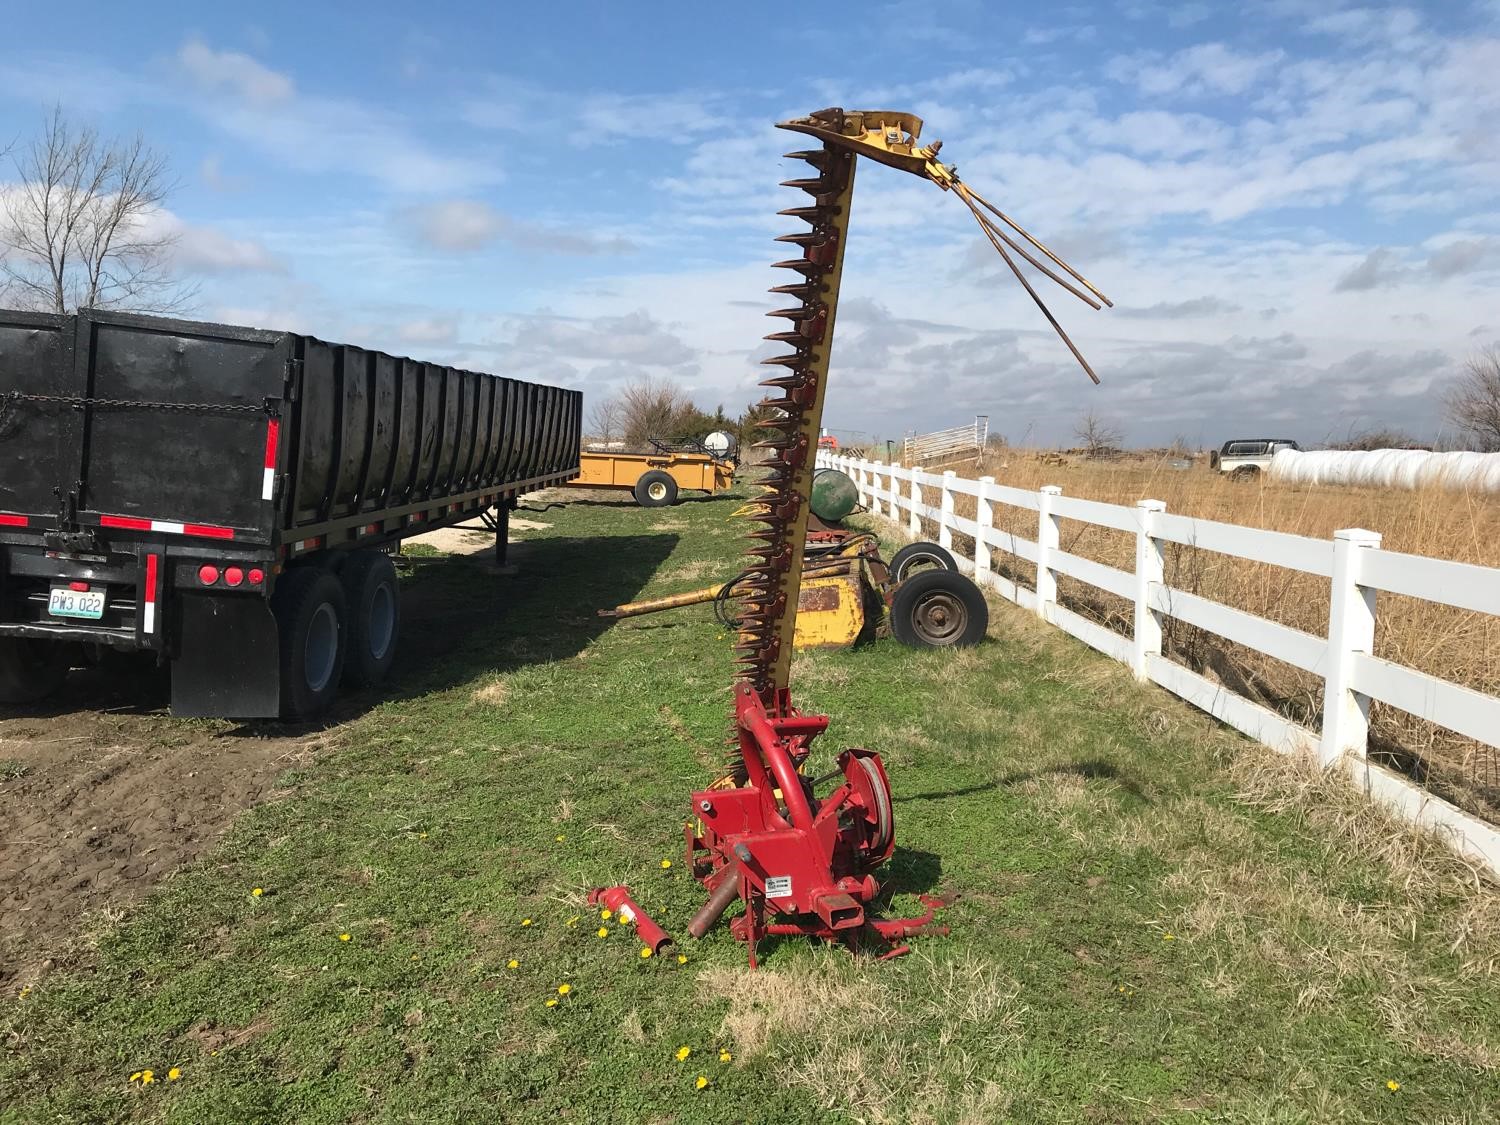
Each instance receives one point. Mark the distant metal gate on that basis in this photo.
(947, 445)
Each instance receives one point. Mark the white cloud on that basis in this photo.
(1206, 68)
(467, 224)
(262, 108)
(1381, 267)
(234, 73)
(428, 330)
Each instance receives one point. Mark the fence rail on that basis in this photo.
(1352, 561)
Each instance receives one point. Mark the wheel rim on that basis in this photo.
(381, 627)
(916, 563)
(656, 490)
(939, 618)
(321, 650)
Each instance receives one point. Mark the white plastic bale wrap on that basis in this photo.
(1389, 468)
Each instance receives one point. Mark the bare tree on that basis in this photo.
(1473, 402)
(604, 419)
(82, 226)
(1098, 436)
(650, 408)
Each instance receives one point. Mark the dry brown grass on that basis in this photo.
(1454, 644)
(907, 1046)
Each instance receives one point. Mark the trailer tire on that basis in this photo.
(938, 609)
(655, 489)
(31, 670)
(916, 557)
(374, 598)
(311, 616)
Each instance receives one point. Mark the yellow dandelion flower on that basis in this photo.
(645, 952)
(572, 920)
(666, 863)
(525, 921)
(25, 992)
(1167, 937)
(725, 1056)
(512, 964)
(564, 989)
(256, 892)
(552, 1003)
(702, 1081)
(174, 1074)
(683, 1053)
(682, 958)
(1393, 1085)
(606, 915)
(560, 839)
(147, 1077)
(136, 1077)
(343, 937)
(603, 931)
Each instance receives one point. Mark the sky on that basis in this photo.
(1292, 203)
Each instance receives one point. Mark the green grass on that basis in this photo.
(1144, 929)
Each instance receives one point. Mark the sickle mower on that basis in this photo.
(801, 862)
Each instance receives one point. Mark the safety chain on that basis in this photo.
(13, 397)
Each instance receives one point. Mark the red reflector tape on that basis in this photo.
(273, 437)
(8, 520)
(207, 530)
(148, 616)
(129, 523)
(135, 523)
(81, 587)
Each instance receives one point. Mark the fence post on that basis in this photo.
(914, 526)
(893, 500)
(1048, 539)
(985, 518)
(1351, 630)
(1150, 570)
(945, 520)
(873, 481)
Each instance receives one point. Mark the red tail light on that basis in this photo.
(81, 587)
(257, 577)
(208, 575)
(234, 576)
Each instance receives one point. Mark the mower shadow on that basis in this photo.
(1090, 770)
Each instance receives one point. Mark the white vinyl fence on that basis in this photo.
(1352, 561)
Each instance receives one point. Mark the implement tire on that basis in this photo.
(655, 489)
(31, 670)
(374, 599)
(311, 615)
(939, 609)
(917, 557)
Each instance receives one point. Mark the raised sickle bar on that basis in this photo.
(762, 833)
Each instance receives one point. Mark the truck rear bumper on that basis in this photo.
(131, 582)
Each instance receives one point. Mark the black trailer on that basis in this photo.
(229, 498)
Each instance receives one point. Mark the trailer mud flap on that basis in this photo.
(228, 661)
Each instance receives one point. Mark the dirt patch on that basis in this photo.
(102, 798)
(456, 540)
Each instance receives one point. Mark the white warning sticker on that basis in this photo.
(778, 886)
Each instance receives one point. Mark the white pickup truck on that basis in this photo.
(1244, 458)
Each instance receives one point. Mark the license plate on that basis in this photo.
(76, 603)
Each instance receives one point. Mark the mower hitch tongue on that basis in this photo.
(801, 863)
